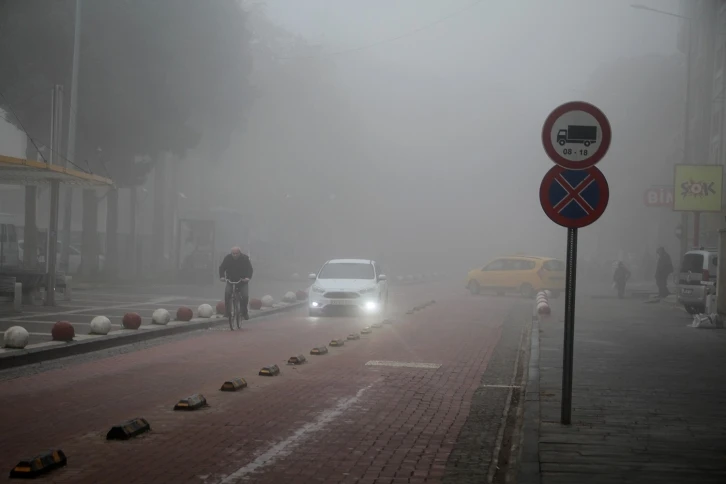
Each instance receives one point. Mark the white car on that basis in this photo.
(350, 284)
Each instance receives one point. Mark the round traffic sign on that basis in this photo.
(574, 198)
(576, 135)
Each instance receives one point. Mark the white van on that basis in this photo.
(697, 273)
(9, 252)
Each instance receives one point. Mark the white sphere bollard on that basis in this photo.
(100, 325)
(268, 301)
(409, 277)
(205, 311)
(16, 337)
(399, 278)
(296, 277)
(289, 297)
(161, 316)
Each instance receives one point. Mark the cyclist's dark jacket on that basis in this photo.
(236, 269)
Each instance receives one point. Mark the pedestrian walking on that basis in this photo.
(620, 278)
(663, 268)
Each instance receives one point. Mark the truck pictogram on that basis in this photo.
(586, 135)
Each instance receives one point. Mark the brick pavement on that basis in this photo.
(333, 420)
(648, 398)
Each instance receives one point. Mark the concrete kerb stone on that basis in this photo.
(529, 466)
(42, 352)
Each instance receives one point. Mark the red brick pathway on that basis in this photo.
(333, 420)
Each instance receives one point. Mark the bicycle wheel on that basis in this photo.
(231, 316)
(238, 313)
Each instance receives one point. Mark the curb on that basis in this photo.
(529, 469)
(73, 348)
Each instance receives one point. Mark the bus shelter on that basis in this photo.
(18, 171)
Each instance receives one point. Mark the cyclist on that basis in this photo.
(237, 267)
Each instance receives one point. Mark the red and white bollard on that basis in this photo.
(542, 304)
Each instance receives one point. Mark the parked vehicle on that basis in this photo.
(696, 275)
(521, 274)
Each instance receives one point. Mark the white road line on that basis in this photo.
(501, 386)
(403, 364)
(285, 447)
(96, 308)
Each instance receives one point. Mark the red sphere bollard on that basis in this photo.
(255, 304)
(131, 321)
(184, 314)
(220, 307)
(63, 331)
(301, 295)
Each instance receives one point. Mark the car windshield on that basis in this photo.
(344, 270)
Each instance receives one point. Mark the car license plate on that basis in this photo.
(686, 291)
(341, 302)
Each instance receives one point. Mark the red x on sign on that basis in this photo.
(574, 198)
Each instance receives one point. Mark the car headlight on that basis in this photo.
(368, 290)
(317, 289)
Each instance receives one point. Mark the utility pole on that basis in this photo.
(56, 130)
(71, 152)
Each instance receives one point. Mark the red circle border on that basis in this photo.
(592, 111)
(544, 187)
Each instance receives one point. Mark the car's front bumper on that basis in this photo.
(367, 305)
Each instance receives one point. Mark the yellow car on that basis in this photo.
(525, 275)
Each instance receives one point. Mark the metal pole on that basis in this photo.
(567, 357)
(56, 130)
(686, 132)
(696, 229)
(72, 123)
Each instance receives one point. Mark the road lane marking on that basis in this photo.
(284, 448)
(501, 386)
(404, 364)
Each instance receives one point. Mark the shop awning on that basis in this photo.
(17, 171)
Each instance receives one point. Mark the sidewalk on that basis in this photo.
(649, 399)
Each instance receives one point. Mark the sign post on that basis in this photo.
(574, 194)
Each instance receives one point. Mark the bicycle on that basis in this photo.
(235, 312)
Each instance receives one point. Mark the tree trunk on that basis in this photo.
(111, 267)
(65, 237)
(89, 243)
(158, 224)
(132, 253)
(30, 230)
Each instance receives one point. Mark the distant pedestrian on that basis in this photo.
(663, 268)
(620, 278)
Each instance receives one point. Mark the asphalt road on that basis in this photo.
(432, 411)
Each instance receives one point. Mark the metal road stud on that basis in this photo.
(130, 428)
(376, 325)
(272, 370)
(387, 321)
(319, 350)
(38, 465)
(353, 336)
(366, 330)
(297, 360)
(233, 385)
(336, 342)
(193, 402)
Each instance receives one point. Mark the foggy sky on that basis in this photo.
(430, 144)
